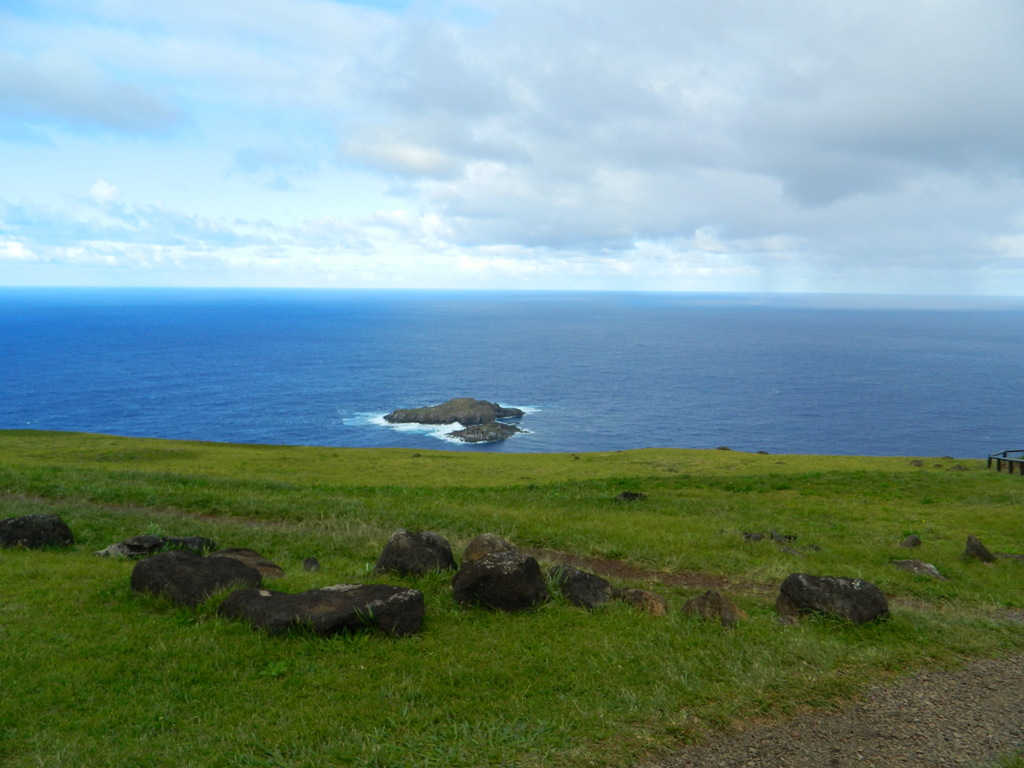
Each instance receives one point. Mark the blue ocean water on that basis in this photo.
(595, 371)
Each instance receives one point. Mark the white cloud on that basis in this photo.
(668, 143)
(12, 250)
(103, 192)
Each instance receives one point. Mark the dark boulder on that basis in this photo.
(311, 564)
(188, 579)
(36, 531)
(329, 610)
(485, 544)
(148, 544)
(253, 559)
(582, 589)
(978, 551)
(714, 605)
(911, 542)
(505, 581)
(415, 553)
(857, 600)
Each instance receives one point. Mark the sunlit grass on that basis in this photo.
(97, 675)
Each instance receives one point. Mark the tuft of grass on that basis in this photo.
(98, 675)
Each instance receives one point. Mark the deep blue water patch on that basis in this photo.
(596, 371)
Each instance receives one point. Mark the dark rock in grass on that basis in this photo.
(582, 589)
(148, 544)
(253, 559)
(415, 553)
(857, 600)
(505, 581)
(493, 432)
(464, 410)
(977, 551)
(714, 605)
(919, 568)
(912, 541)
(643, 600)
(329, 610)
(188, 579)
(752, 536)
(311, 564)
(35, 532)
(485, 544)
(631, 496)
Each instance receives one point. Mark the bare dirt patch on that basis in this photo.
(971, 716)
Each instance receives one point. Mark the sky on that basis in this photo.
(736, 145)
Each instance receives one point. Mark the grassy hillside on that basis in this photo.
(97, 675)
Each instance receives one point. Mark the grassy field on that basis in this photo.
(94, 674)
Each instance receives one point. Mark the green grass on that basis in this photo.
(97, 675)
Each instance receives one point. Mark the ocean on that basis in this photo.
(796, 374)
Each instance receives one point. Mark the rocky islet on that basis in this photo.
(481, 421)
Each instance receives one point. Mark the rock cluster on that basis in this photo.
(494, 575)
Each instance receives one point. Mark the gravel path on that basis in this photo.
(967, 717)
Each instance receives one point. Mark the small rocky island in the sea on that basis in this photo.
(478, 418)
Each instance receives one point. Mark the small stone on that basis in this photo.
(912, 541)
(643, 600)
(631, 496)
(311, 564)
(582, 589)
(919, 568)
(976, 550)
(714, 605)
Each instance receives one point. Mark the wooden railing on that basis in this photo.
(1003, 457)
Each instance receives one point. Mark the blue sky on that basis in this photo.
(810, 145)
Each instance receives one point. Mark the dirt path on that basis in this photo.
(967, 717)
